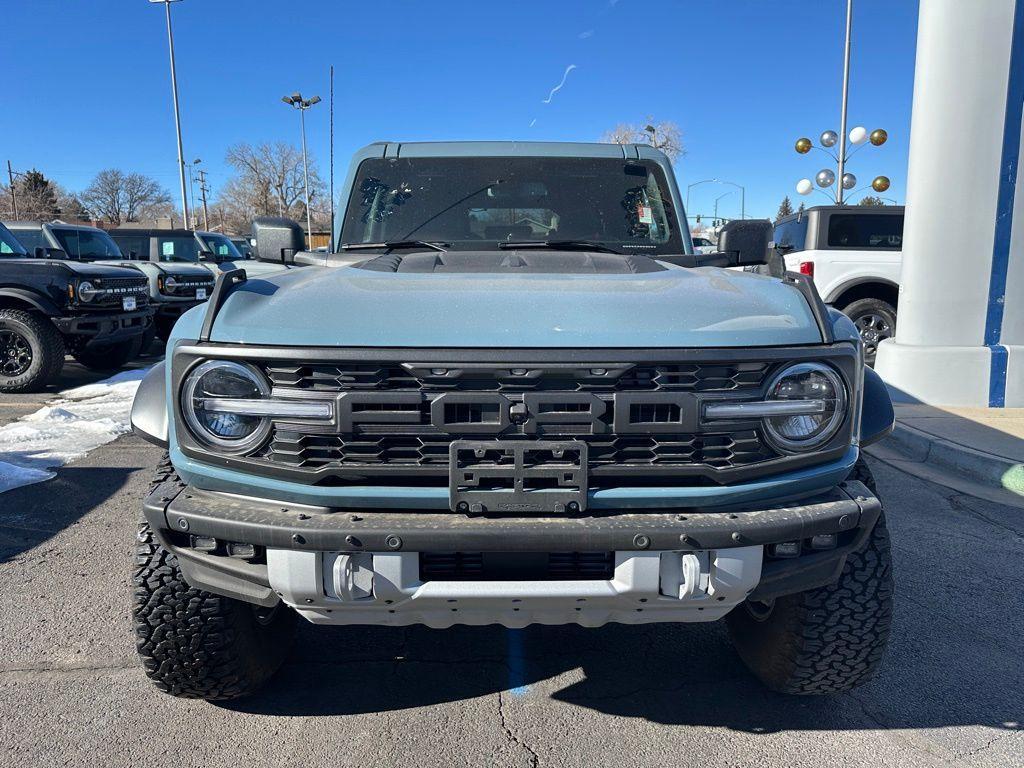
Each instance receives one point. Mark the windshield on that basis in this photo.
(473, 203)
(221, 246)
(177, 248)
(9, 246)
(86, 244)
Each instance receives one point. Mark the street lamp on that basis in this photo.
(740, 187)
(302, 105)
(177, 116)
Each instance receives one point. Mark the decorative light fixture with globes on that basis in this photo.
(858, 138)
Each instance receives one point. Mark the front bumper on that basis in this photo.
(101, 328)
(361, 566)
(172, 309)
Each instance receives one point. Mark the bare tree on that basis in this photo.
(269, 182)
(119, 197)
(664, 135)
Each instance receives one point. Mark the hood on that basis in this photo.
(669, 307)
(95, 269)
(184, 270)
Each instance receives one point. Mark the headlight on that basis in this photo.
(170, 284)
(810, 383)
(87, 291)
(213, 395)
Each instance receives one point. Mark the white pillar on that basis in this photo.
(960, 334)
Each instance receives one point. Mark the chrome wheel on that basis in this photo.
(15, 353)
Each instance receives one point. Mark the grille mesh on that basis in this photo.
(407, 435)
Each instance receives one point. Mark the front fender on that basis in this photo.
(40, 302)
(879, 418)
(149, 409)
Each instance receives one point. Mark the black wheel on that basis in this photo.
(164, 326)
(31, 351)
(195, 644)
(107, 357)
(828, 639)
(875, 320)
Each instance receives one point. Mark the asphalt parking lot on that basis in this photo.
(71, 692)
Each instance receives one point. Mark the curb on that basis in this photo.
(986, 468)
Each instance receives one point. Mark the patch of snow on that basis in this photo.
(66, 429)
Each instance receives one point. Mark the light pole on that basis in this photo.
(302, 105)
(192, 190)
(716, 204)
(691, 186)
(177, 116)
(846, 97)
(740, 187)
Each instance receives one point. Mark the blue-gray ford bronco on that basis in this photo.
(512, 394)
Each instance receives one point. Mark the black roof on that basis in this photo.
(865, 209)
(151, 232)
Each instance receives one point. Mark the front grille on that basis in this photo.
(116, 288)
(516, 566)
(635, 418)
(717, 450)
(686, 377)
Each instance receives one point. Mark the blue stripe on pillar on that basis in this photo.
(1008, 169)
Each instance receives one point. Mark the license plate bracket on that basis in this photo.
(128, 303)
(505, 476)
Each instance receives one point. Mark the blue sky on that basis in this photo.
(742, 78)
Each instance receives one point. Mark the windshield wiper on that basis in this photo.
(393, 244)
(561, 245)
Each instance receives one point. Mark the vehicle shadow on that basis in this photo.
(32, 514)
(953, 659)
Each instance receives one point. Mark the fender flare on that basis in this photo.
(40, 302)
(842, 288)
(878, 419)
(149, 409)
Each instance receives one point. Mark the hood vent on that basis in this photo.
(514, 262)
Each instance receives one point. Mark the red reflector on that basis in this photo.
(807, 268)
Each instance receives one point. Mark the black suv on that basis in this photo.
(48, 306)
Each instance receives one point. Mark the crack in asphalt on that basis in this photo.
(512, 739)
(960, 502)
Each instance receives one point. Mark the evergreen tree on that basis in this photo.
(871, 200)
(802, 208)
(37, 199)
(785, 208)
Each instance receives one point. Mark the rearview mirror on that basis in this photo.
(277, 239)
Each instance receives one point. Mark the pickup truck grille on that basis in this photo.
(636, 418)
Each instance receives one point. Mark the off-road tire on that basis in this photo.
(828, 639)
(881, 310)
(47, 347)
(195, 644)
(108, 357)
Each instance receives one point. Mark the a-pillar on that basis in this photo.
(960, 334)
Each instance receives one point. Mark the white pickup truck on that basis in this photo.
(854, 255)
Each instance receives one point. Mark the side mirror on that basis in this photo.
(133, 255)
(42, 252)
(746, 242)
(207, 256)
(278, 239)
